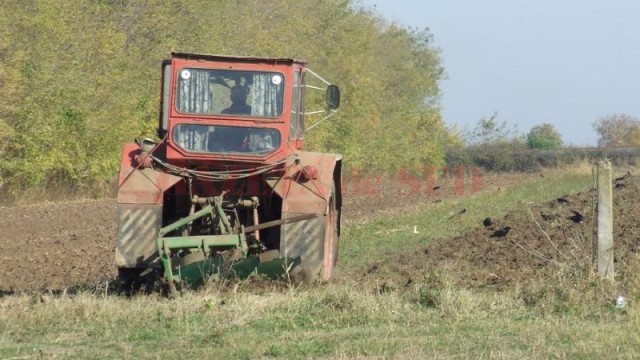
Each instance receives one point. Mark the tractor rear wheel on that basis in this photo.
(135, 280)
(331, 237)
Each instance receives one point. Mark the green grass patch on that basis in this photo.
(365, 242)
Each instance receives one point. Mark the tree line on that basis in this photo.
(494, 146)
(78, 78)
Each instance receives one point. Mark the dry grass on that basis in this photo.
(566, 314)
(331, 321)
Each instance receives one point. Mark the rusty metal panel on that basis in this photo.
(308, 196)
(305, 239)
(145, 186)
(141, 185)
(137, 232)
(302, 198)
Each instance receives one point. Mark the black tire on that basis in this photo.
(332, 237)
(137, 280)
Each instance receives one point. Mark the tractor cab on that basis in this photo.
(234, 109)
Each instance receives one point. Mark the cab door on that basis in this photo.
(296, 124)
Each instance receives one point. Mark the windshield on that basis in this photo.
(230, 92)
(226, 139)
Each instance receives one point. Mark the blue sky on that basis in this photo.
(564, 62)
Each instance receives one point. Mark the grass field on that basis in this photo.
(567, 315)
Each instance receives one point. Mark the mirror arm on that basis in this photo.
(333, 112)
(318, 76)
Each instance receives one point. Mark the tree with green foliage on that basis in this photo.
(544, 136)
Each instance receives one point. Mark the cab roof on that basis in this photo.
(229, 58)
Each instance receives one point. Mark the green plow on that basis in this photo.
(196, 274)
(194, 259)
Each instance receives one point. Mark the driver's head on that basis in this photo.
(239, 94)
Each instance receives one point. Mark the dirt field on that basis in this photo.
(53, 246)
(522, 247)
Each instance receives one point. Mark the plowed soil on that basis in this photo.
(56, 246)
(521, 247)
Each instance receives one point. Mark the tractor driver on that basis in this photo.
(239, 105)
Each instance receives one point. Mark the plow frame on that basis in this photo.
(211, 266)
(203, 243)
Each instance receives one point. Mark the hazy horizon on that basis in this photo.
(566, 63)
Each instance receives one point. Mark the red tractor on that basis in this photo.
(228, 191)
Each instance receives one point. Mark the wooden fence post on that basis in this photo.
(603, 247)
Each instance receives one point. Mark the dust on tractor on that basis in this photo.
(228, 191)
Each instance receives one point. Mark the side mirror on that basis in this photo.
(333, 97)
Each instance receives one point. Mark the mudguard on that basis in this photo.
(311, 180)
(140, 197)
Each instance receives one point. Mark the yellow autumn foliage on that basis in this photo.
(80, 77)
